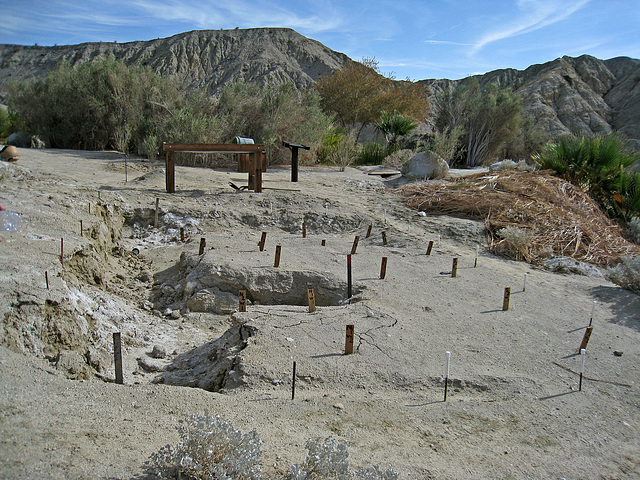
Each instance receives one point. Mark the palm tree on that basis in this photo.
(393, 126)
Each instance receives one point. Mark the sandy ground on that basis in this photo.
(513, 409)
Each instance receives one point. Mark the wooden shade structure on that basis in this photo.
(256, 154)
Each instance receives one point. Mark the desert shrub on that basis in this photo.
(371, 154)
(342, 151)
(398, 158)
(210, 448)
(627, 273)
(326, 459)
(514, 242)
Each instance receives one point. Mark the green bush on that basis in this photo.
(599, 165)
(372, 154)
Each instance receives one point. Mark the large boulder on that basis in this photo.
(425, 166)
(19, 139)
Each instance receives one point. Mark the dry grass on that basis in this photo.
(560, 217)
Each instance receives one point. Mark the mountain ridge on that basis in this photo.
(580, 95)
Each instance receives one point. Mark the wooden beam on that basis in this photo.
(171, 172)
(212, 147)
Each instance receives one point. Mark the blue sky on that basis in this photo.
(414, 39)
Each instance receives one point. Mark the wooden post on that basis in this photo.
(258, 188)
(583, 352)
(355, 245)
(293, 382)
(171, 172)
(384, 238)
(117, 357)
(383, 268)
(348, 342)
(89, 208)
(446, 378)
(454, 268)
(585, 339)
(348, 278)
(323, 243)
(430, 247)
(276, 263)
(262, 241)
(81, 228)
(155, 215)
(62, 250)
(182, 234)
(46, 278)
(294, 164)
(369, 231)
(311, 297)
(507, 297)
(203, 243)
(242, 301)
(304, 229)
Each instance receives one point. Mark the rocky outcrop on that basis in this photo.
(581, 95)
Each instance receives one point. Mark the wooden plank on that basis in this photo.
(212, 147)
(348, 342)
(242, 301)
(311, 297)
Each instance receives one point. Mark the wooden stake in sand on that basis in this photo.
(203, 243)
(242, 301)
(430, 247)
(583, 352)
(311, 297)
(81, 228)
(117, 357)
(348, 342)
(369, 231)
(276, 262)
(323, 243)
(585, 339)
(475, 263)
(304, 229)
(89, 208)
(454, 268)
(507, 297)
(293, 382)
(155, 216)
(384, 238)
(182, 234)
(446, 377)
(593, 310)
(262, 241)
(524, 283)
(62, 250)
(348, 278)
(46, 278)
(383, 268)
(354, 247)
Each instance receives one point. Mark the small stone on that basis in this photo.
(158, 352)
(338, 406)
(175, 314)
(617, 353)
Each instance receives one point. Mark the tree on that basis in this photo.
(358, 94)
(489, 116)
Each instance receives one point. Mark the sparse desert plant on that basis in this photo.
(514, 242)
(398, 158)
(210, 448)
(627, 273)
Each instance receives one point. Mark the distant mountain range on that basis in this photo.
(578, 95)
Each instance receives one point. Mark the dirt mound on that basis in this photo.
(558, 217)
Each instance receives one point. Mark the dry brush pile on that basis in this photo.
(555, 217)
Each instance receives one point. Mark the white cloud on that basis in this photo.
(535, 14)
